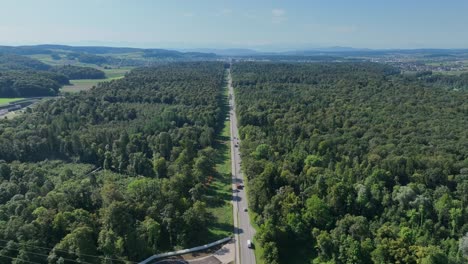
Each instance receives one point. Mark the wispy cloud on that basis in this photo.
(278, 15)
(278, 12)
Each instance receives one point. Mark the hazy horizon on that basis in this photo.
(184, 48)
(263, 25)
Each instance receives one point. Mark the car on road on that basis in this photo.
(245, 209)
(239, 186)
(249, 244)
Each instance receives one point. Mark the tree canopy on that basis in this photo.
(30, 83)
(152, 134)
(353, 162)
(78, 72)
(17, 62)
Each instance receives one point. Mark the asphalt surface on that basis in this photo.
(243, 231)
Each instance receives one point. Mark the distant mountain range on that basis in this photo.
(99, 50)
(226, 52)
(209, 53)
(332, 51)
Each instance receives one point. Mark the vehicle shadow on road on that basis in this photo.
(236, 180)
(238, 230)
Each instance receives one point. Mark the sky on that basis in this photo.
(257, 24)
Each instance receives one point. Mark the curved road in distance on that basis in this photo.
(243, 231)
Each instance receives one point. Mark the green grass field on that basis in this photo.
(46, 58)
(116, 72)
(130, 55)
(222, 190)
(80, 85)
(8, 100)
(86, 84)
(221, 187)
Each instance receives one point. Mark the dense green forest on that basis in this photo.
(21, 76)
(29, 83)
(30, 79)
(87, 58)
(152, 133)
(17, 62)
(346, 163)
(78, 72)
(354, 163)
(448, 81)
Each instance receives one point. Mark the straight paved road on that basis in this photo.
(243, 231)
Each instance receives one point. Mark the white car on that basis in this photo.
(249, 244)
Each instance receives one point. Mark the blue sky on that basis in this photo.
(259, 24)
